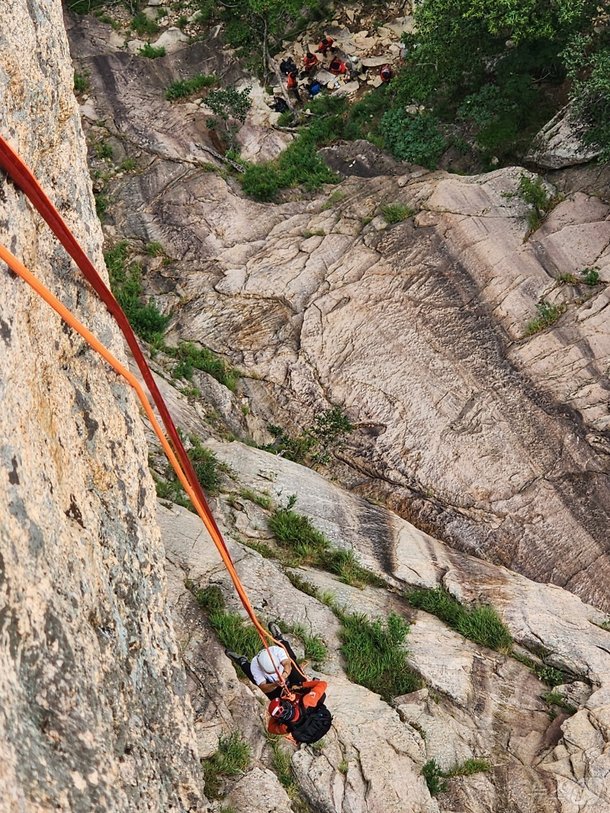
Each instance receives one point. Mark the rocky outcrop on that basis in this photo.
(476, 704)
(93, 707)
(493, 440)
(559, 144)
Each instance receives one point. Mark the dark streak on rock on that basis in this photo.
(74, 512)
(13, 477)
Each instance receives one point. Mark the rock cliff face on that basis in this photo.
(93, 712)
(492, 439)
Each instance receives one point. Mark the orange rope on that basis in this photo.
(93, 342)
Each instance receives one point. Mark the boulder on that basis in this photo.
(559, 144)
(172, 39)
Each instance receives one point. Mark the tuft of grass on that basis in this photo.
(126, 284)
(396, 212)
(315, 648)
(335, 197)
(143, 26)
(567, 279)
(265, 551)
(207, 468)
(480, 624)
(605, 625)
(375, 656)
(186, 87)
(343, 766)
(590, 276)
(232, 630)
(548, 314)
(190, 357)
(434, 777)
(231, 758)
(557, 699)
(101, 205)
(81, 82)
(103, 150)
(154, 249)
(150, 52)
(262, 500)
(295, 533)
(128, 165)
(469, 767)
(547, 674)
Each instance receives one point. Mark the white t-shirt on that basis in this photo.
(277, 656)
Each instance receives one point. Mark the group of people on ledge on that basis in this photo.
(340, 65)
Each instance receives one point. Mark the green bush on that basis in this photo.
(590, 276)
(375, 656)
(480, 624)
(126, 284)
(590, 93)
(416, 139)
(85, 6)
(231, 758)
(81, 82)
(186, 87)
(315, 444)
(190, 357)
(151, 52)
(433, 775)
(142, 25)
(548, 314)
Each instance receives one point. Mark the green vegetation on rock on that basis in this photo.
(480, 623)
(231, 758)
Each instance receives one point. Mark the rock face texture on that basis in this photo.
(492, 439)
(93, 711)
(476, 703)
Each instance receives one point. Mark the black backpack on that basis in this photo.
(313, 725)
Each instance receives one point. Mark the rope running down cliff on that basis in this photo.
(177, 456)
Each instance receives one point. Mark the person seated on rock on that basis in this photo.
(302, 715)
(309, 62)
(279, 104)
(325, 45)
(264, 668)
(337, 66)
(287, 66)
(386, 73)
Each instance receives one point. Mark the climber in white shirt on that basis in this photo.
(264, 668)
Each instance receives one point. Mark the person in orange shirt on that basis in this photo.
(309, 62)
(302, 714)
(337, 66)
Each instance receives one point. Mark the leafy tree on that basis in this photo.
(493, 62)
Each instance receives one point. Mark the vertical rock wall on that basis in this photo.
(93, 713)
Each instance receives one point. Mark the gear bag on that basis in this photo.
(313, 725)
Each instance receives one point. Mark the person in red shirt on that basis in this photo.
(337, 66)
(293, 85)
(386, 73)
(325, 45)
(302, 715)
(309, 62)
